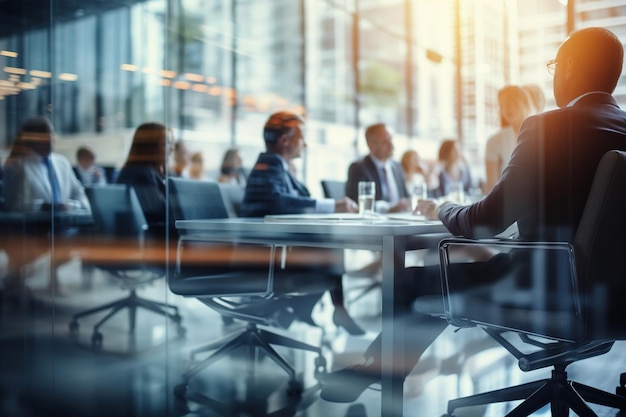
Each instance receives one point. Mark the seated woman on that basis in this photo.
(231, 170)
(145, 169)
(454, 172)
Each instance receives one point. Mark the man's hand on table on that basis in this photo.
(346, 205)
(429, 208)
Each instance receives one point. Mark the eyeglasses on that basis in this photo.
(551, 66)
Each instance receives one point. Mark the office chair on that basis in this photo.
(564, 301)
(235, 282)
(121, 228)
(334, 188)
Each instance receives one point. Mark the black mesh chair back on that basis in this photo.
(599, 246)
(334, 189)
(116, 210)
(192, 199)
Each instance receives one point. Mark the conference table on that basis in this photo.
(392, 236)
(26, 235)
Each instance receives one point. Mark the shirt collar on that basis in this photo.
(577, 99)
(379, 164)
(283, 161)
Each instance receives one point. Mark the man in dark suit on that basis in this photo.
(272, 189)
(544, 187)
(391, 192)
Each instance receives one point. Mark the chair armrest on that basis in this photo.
(524, 286)
(217, 274)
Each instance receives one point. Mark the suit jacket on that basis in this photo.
(26, 181)
(545, 185)
(365, 170)
(271, 189)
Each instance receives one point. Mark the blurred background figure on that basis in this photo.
(515, 105)
(87, 172)
(231, 170)
(180, 160)
(416, 172)
(145, 169)
(36, 178)
(196, 167)
(453, 171)
(536, 95)
(379, 167)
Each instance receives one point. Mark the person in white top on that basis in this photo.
(35, 177)
(86, 169)
(515, 105)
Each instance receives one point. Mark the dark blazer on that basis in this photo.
(268, 190)
(365, 170)
(545, 185)
(150, 188)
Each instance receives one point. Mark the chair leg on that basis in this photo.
(132, 302)
(238, 341)
(276, 339)
(255, 340)
(596, 396)
(561, 394)
(518, 392)
(273, 355)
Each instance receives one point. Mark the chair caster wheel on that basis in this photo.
(96, 340)
(180, 391)
(294, 389)
(320, 366)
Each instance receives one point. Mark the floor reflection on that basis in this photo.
(44, 371)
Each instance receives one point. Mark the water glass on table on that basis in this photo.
(419, 192)
(367, 197)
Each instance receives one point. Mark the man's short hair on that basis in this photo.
(370, 132)
(599, 54)
(278, 124)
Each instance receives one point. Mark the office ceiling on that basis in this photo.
(18, 16)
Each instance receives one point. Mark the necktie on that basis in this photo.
(390, 185)
(54, 182)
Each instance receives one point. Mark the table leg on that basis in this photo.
(393, 256)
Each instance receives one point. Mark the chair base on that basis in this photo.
(561, 394)
(132, 302)
(255, 340)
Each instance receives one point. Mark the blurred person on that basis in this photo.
(196, 167)
(180, 160)
(544, 189)
(36, 177)
(86, 169)
(515, 105)
(145, 169)
(273, 189)
(537, 97)
(231, 170)
(377, 166)
(416, 171)
(453, 172)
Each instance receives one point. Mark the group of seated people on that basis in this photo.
(543, 187)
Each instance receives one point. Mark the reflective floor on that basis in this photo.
(46, 370)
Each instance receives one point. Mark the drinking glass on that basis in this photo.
(457, 193)
(418, 192)
(367, 197)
